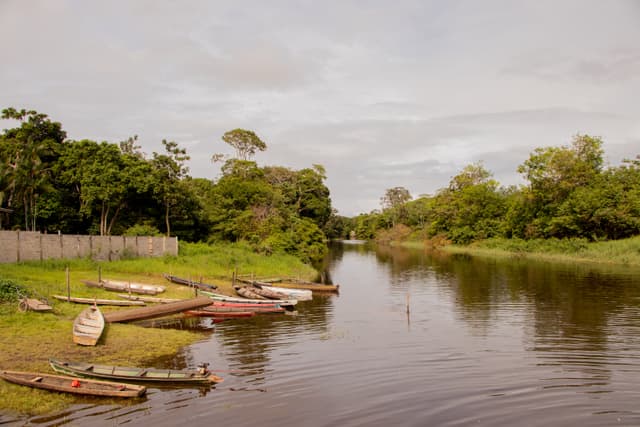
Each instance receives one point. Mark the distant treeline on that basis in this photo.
(570, 194)
(51, 184)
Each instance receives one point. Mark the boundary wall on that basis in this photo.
(17, 246)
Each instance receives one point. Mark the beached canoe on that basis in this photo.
(257, 308)
(191, 283)
(268, 293)
(96, 301)
(148, 299)
(122, 286)
(311, 286)
(298, 294)
(88, 326)
(200, 376)
(150, 312)
(247, 292)
(227, 298)
(73, 385)
(219, 315)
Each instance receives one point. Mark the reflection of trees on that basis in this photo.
(567, 308)
(249, 343)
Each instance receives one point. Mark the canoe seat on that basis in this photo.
(142, 373)
(37, 379)
(89, 368)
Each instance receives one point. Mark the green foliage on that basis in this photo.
(11, 291)
(142, 230)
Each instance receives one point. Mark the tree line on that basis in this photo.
(569, 194)
(52, 184)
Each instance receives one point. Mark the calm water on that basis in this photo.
(497, 343)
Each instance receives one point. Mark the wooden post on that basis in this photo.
(68, 284)
(408, 298)
(99, 274)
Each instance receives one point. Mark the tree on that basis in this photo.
(393, 202)
(245, 142)
(27, 154)
(169, 169)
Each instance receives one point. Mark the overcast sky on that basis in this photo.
(382, 94)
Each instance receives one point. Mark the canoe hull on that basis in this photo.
(133, 374)
(88, 326)
(67, 384)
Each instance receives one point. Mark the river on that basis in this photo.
(416, 339)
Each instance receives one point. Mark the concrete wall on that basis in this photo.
(18, 246)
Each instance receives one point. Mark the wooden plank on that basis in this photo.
(156, 311)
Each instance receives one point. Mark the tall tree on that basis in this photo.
(27, 153)
(393, 202)
(169, 169)
(245, 143)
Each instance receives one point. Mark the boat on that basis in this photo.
(32, 304)
(227, 298)
(291, 284)
(120, 286)
(247, 292)
(88, 326)
(200, 376)
(148, 299)
(298, 294)
(257, 308)
(67, 384)
(268, 293)
(219, 315)
(191, 283)
(97, 301)
(311, 286)
(150, 312)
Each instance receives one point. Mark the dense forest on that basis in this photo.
(569, 194)
(51, 184)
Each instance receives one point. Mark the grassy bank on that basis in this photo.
(29, 339)
(620, 252)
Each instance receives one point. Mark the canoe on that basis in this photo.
(66, 384)
(191, 283)
(311, 286)
(148, 299)
(200, 376)
(298, 294)
(227, 298)
(247, 292)
(242, 304)
(88, 326)
(142, 313)
(257, 308)
(268, 293)
(32, 304)
(221, 315)
(120, 286)
(96, 301)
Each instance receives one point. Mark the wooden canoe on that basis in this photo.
(227, 298)
(311, 286)
(247, 292)
(142, 313)
(121, 286)
(97, 301)
(148, 299)
(66, 384)
(200, 376)
(262, 308)
(298, 294)
(191, 283)
(88, 326)
(267, 292)
(32, 304)
(220, 315)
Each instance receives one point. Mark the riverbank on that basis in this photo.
(29, 339)
(619, 252)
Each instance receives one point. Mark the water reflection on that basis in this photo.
(485, 341)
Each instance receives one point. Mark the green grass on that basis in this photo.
(28, 339)
(622, 252)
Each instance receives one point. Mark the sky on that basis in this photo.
(382, 94)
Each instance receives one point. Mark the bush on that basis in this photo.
(11, 291)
